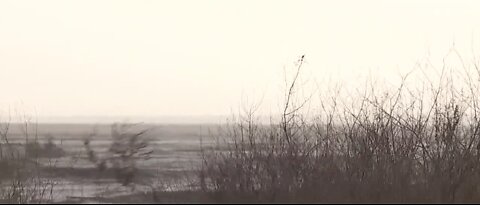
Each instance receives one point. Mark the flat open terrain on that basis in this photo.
(175, 150)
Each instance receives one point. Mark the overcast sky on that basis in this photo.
(199, 57)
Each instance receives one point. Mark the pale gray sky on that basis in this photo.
(198, 57)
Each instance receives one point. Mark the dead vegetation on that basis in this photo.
(407, 144)
(21, 180)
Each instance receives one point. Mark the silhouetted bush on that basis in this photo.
(405, 145)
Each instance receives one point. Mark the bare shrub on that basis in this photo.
(21, 179)
(401, 145)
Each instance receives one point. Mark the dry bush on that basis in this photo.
(21, 179)
(126, 150)
(405, 145)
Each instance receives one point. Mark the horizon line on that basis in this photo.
(149, 119)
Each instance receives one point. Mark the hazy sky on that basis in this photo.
(206, 57)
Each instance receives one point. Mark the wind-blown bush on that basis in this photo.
(126, 150)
